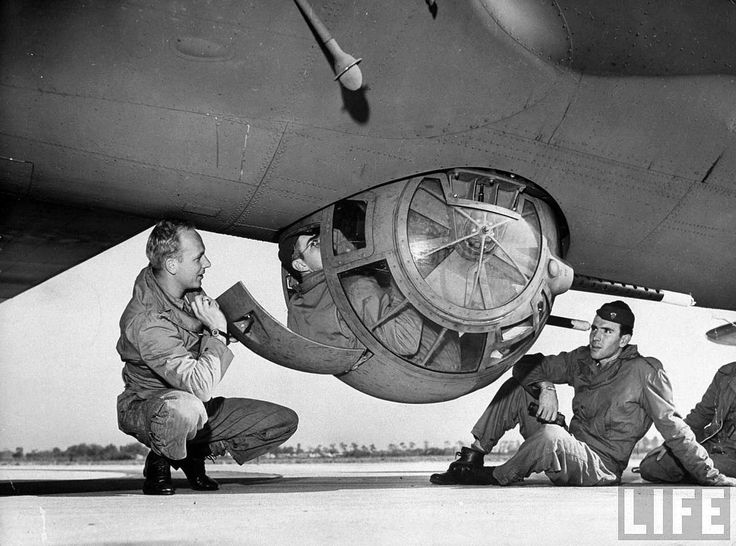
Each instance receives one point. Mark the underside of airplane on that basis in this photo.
(480, 157)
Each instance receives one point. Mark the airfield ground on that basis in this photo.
(338, 503)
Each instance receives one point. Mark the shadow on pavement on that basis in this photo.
(104, 486)
(253, 484)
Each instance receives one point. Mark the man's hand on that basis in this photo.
(547, 402)
(725, 481)
(208, 311)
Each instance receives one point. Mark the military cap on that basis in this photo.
(287, 246)
(618, 312)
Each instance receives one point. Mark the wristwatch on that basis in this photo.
(222, 337)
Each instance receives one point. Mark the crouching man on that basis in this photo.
(175, 353)
(618, 395)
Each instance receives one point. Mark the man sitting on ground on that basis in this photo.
(618, 395)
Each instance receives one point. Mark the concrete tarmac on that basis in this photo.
(340, 503)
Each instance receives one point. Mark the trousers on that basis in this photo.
(669, 469)
(175, 423)
(546, 448)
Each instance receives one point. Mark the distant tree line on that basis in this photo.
(343, 450)
(356, 451)
(83, 453)
(77, 453)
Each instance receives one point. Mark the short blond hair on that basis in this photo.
(164, 243)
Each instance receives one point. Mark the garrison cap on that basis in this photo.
(287, 246)
(618, 312)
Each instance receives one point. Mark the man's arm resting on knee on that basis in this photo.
(677, 435)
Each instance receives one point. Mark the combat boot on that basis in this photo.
(467, 470)
(158, 475)
(193, 468)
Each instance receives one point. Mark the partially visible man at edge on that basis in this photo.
(618, 395)
(175, 353)
(713, 420)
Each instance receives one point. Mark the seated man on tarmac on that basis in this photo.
(618, 394)
(173, 343)
(713, 420)
(312, 311)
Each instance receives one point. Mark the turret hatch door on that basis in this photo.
(255, 328)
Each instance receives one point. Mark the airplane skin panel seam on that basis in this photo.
(232, 118)
(566, 27)
(298, 182)
(664, 220)
(695, 229)
(255, 226)
(262, 192)
(120, 158)
(670, 223)
(594, 158)
(364, 149)
(720, 190)
(570, 102)
(483, 6)
(235, 214)
(273, 160)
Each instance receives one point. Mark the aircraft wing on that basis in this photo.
(40, 240)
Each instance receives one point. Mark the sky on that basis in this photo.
(61, 374)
